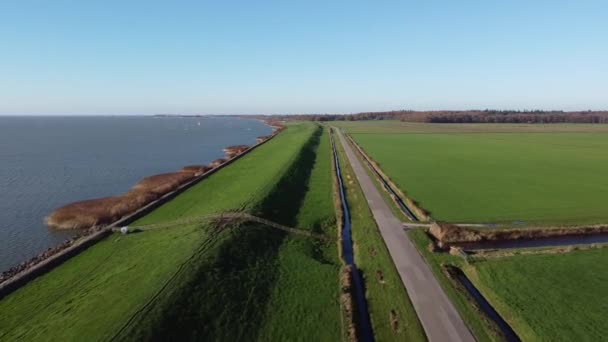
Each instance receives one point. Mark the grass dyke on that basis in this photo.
(19, 275)
(280, 288)
(392, 315)
(305, 300)
(129, 281)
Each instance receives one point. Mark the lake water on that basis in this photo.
(47, 162)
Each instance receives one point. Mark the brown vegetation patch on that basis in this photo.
(372, 252)
(217, 163)
(197, 170)
(276, 125)
(163, 183)
(347, 302)
(97, 212)
(380, 277)
(493, 254)
(446, 233)
(104, 211)
(394, 321)
(262, 138)
(232, 151)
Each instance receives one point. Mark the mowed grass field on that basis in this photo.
(195, 282)
(553, 297)
(534, 178)
(399, 127)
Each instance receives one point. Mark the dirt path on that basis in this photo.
(439, 318)
(228, 218)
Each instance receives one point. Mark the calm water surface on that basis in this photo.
(47, 162)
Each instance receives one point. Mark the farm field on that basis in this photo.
(528, 178)
(196, 281)
(552, 297)
(384, 290)
(398, 127)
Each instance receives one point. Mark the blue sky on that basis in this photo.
(147, 57)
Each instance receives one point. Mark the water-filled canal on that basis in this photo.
(364, 325)
(554, 241)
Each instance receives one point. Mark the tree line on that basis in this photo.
(468, 116)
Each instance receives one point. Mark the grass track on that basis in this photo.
(371, 256)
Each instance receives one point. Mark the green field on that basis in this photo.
(384, 290)
(536, 178)
(197, 282)
(399, 127)
(554, 297)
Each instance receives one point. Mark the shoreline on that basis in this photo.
(22, 270)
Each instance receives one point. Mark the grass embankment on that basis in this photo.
(304, 300)
(536, 178)
(392, 315)
(556, 297)
(190, 282)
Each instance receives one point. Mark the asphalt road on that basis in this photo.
(439, 318)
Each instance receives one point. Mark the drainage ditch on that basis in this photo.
(483, 304)
(363, 321)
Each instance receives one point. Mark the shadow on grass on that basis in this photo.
(221, 295)
(284, 202)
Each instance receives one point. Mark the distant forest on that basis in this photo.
(469, 116)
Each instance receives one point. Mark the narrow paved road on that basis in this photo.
(438, 316)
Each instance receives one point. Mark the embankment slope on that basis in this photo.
(99, 293)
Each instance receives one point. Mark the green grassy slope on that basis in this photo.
(96, 293)
(304, 300)
(536, 178)
(384, 293)
(555, 297)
